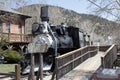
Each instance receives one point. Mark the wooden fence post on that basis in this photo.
(31, 74)
(17, 72)
(102, 62)
(57, 71)
(40, 72)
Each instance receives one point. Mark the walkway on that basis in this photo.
(84, 71)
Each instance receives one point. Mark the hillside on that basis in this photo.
(98, 28)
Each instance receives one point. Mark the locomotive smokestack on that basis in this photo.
(45, 19)
(44, 13)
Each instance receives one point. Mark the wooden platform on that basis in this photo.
(85, 70)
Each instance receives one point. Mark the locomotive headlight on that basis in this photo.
(40, 43)
(44, 39)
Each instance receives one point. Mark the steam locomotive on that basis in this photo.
(60, 39)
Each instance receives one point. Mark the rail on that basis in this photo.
(110, 56)
(104, 48)
(70, 60)
(13, 37)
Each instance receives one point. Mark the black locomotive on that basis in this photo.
(60, 39)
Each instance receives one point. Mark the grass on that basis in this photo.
(7, 68)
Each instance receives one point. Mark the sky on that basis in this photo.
(79, 6)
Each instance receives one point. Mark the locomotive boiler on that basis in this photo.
(60, 39)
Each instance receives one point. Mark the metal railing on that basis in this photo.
(110, 57)
(69, 61)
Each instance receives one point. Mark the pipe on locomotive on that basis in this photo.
(45, 19)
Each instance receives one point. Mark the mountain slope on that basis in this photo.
(98, 28)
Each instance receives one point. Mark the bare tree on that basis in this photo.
(107, 7)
